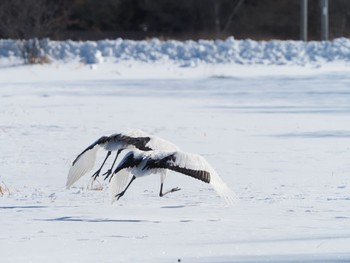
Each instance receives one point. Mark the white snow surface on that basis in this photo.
(278, 135)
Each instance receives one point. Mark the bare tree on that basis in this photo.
(232, 14)
(30, 22)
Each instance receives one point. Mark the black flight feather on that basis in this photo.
(169, 163)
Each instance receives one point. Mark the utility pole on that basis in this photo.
(324, 19)
(303, 20)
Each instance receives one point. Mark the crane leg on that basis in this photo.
(97, 173)
(123, 192)
(109, 172)
(161, 194)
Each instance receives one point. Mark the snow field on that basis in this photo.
(278, 136)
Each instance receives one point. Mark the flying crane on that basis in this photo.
(140, 163)
(132, 139)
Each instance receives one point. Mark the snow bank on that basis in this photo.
(191, 53)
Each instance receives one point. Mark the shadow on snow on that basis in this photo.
(96, 220)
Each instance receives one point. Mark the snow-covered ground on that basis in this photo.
(277, 135)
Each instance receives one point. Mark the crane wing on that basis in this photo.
(100, 141)
(160, 144)
(144, 141)
(82, 164)
(196, 166)
(118, 183)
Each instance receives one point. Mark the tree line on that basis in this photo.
(168, 19)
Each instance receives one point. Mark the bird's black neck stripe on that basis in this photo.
(138, 142)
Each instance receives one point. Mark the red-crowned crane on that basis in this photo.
(140, 163)
(132, 139)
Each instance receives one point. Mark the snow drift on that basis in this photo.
(190, 53)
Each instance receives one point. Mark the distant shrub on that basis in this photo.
(33, 51)
(30, 22)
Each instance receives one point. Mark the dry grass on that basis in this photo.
(38, 60)
(4, 189)
(95, 187)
